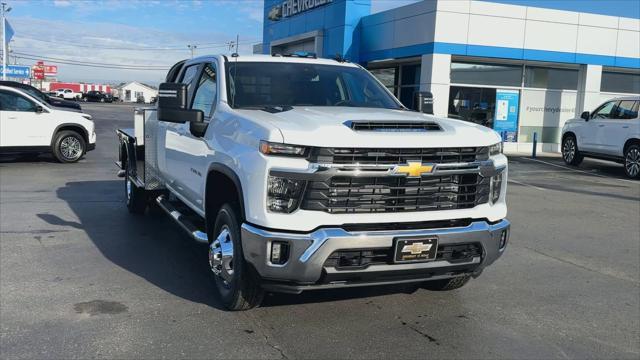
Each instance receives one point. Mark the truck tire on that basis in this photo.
(632, 161)
(236, 281)
(570, 153)
(447, 284)
(68, 146)
(136, 197)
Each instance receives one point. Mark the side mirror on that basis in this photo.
(172, 103)
(39, 109)
(585, 115)
(198, 129)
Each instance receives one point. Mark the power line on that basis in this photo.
(96, 65)
(49, 58)
(141, 48)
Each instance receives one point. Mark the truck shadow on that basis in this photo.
(153, 247)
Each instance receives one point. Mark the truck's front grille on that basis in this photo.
(359, 259)
(394, 156)
(352, 194)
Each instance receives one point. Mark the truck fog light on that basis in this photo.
(496, 186)
(279, 252)
(283, 195)
(503, 239)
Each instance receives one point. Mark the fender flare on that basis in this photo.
(228, 172)
(83, 133)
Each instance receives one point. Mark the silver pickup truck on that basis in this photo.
(303, 174)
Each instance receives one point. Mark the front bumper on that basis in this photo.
(308, 252)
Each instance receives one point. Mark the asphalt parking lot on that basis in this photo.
(82, 278)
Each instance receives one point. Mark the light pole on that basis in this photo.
(5, 50)
(192, 48)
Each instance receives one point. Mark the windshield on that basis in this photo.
(35, 93)
(261, 85)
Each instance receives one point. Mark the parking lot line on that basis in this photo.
(525, 184)
(580, 171)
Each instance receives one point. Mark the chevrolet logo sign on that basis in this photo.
(413, 169)
(416, 248)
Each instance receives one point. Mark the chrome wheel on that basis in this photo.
(569, 150)
(632, 162)
(71, 148)
(221, 256)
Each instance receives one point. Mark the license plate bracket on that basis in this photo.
(418, 249)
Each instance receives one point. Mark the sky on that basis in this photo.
(110, 31)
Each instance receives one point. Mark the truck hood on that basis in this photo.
(325, 127)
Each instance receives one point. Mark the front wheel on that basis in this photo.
(68, 146)
(632, 161)
(570, 153)
(236, 281)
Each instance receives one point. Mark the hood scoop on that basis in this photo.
(393, 126)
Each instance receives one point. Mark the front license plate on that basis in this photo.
(416, 249)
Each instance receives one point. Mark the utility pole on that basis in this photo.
(5, 50)
(192, 48)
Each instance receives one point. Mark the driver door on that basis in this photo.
(590, 138)
(21, 123)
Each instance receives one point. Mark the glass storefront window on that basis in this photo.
(550, 78)
(486, 74)
(476, 105)
(387, 76)
(620, 82)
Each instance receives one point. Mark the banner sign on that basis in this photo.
(506, 114)
(17, 71)
(50, 70)
(38, 73)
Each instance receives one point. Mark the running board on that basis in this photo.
(182, 220)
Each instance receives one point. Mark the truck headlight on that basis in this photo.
(283, 195)
(271, 148)
(495, 149)
(496, 187)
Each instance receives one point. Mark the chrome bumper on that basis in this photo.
(309, 251)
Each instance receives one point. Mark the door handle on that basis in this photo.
(625, 127)
(12, 117)
(601, 125)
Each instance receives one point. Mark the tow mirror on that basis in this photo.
(198, 128)
(172, 104)
(585, 115)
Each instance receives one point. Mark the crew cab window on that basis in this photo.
(207, 91)
(10, 101)
(604, 111)
(626, 109)
(187, 78)
(263, 84)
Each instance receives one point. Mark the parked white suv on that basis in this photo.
(611, 132)
(28, 125)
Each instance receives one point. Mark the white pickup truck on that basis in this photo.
(303, 174)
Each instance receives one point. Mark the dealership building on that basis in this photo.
(518, 69)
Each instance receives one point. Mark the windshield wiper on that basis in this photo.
(276, 109)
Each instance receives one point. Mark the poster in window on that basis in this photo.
(506, 115)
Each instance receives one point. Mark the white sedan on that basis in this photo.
(28, 125)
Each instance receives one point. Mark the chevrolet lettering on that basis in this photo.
(317, 178)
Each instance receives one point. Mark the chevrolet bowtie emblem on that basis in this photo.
(413, 169)
(416, 248)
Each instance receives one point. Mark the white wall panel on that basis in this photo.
(628, 44)
(496, 9)
(597, 40)
(455, 5)
(452, 27)
(414, 30)
(599, 20)
(544, 35)
(629, 24)
(496, 31)
(559, 16)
